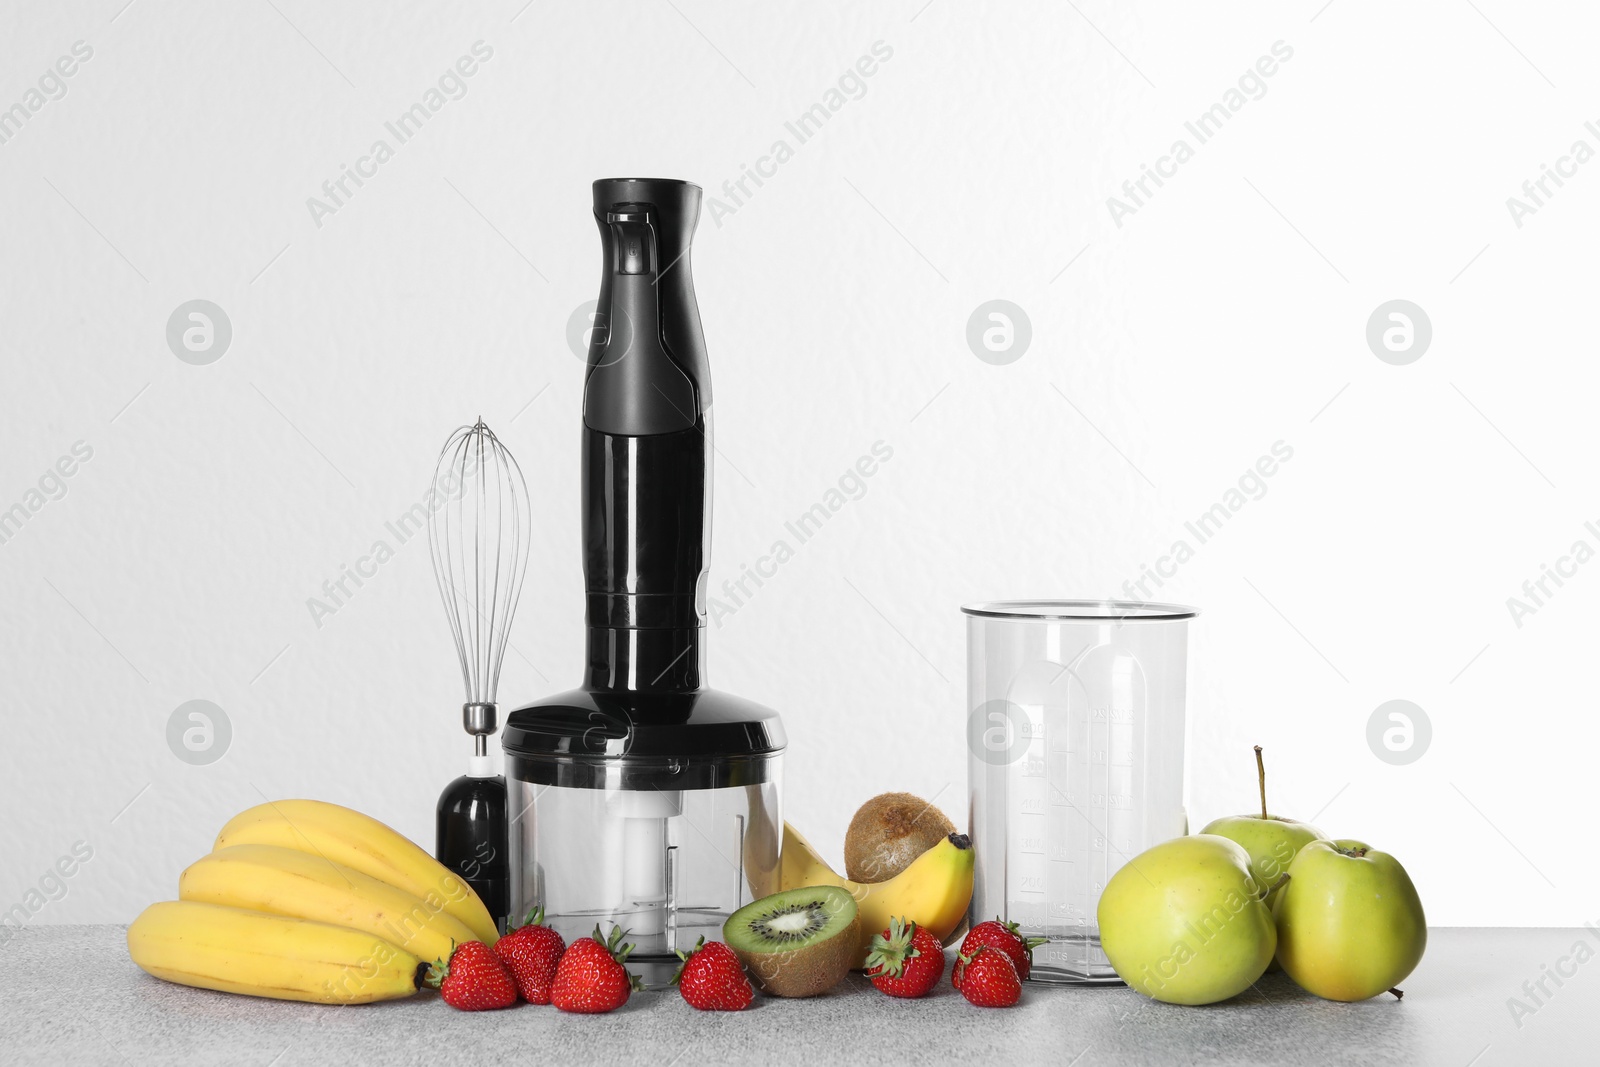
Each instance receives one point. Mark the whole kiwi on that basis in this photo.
(888, 832)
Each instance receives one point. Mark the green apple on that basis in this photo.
(1184, 922)
(1271, 840)
(1350, 924)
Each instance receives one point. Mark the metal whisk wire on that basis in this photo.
(478, 535)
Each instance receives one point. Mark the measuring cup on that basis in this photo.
(1075, 732)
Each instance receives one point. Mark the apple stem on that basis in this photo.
(1279, 884)
(1261, 776)
(1398, 993)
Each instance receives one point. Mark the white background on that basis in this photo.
(1167, 356)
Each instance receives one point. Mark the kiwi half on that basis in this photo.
(797, 943)
(888, 832)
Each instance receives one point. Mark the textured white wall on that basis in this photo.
(1168, 353)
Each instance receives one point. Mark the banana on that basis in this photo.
(283, 881)
(359, 841)
(238, 951)
(933, 892)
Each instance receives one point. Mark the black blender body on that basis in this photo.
(646, 445)
(643, 796)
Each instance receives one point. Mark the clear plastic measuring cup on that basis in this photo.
(1075, 732)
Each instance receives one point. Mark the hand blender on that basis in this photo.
(643, 797)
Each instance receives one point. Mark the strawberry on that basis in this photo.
(905, 960)
(474, 979)
(531, 953)
(712, 979)
(989, 979)
(997, 933)
(591, 978)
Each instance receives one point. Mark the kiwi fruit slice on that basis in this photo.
(797, 943)
(888, 833)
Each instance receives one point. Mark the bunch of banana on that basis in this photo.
(933, 891)
(303, 900)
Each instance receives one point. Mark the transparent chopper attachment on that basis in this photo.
(1075, 736)
(667, 865)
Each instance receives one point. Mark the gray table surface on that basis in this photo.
(69, 994)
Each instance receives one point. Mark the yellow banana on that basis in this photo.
(283, 881)
(933, 892)
(239, 951)
(359, 841)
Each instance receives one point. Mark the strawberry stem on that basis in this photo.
(889, 954)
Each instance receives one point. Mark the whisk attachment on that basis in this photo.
(478, 533)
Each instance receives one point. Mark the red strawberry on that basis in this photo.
(989, 979)
(905, 960)
(474, 979)
(712, 978)
(531, 953)
(591, 978)
(997, 933)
